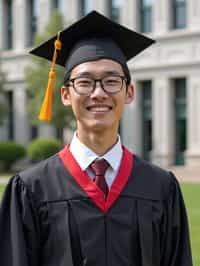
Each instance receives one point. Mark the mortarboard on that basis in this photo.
(91, 38)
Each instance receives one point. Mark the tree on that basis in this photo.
(3, 107)
(36, 76)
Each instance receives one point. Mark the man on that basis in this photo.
(94, 203)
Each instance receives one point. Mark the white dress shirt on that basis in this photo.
(85, 156)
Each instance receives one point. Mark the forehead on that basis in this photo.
(98, 67)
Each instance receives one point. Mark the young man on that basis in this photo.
(94, 203)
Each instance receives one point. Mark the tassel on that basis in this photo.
(45, 112)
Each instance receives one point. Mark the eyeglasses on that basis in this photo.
(86, 86)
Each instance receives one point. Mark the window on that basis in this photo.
(115, 6)
(34, 132)
(60, 4)
(34, 12)
(146, 87)
(85, 6)
(146, 15)
(9, 24)
(10, 115)
(180, 119)
(179, 14)
(55, 3)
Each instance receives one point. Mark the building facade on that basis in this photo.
(163, 122)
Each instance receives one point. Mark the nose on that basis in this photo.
(98, 91)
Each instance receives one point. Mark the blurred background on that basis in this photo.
(163, 123)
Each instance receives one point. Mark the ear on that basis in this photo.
(65, 96)
(129, 94)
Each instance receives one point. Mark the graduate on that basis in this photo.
(94, 203)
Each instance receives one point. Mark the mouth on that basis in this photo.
(99, 108)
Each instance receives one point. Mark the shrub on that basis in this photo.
(10, 151)
(40, 149)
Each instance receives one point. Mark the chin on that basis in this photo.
(101, 126)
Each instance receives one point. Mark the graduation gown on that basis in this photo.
(54, 215)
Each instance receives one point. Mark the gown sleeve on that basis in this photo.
(19, 230)
(176, 250)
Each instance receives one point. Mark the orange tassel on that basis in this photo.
(45, 112)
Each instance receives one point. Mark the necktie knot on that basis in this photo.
(99, 168)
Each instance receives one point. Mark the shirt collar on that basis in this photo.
(85, 156)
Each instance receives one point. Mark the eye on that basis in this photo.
(83, 82)
(112, 80)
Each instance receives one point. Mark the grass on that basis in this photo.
(191, 192)
(1, 189)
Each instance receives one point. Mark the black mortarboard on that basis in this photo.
(92, 37)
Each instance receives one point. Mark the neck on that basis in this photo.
(99, 142)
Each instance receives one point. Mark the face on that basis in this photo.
(98, 111)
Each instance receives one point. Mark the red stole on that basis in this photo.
(87, 184)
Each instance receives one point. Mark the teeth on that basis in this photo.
(99, 109)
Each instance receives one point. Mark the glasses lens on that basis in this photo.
(83, 85)
(112, 84)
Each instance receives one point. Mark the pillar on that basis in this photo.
(193, 14)
(21, 130)
(2, 25)
(161, 16)
(131, 124)
(19, 24)
(192, 154)
(45, 10)
(130, 14)
(163, 122)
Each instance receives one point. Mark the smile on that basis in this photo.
(99, 108)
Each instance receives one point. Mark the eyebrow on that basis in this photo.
(104, 73)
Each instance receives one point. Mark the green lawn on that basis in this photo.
(191, 195)
(1, 189)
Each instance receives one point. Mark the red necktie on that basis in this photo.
(99, 168)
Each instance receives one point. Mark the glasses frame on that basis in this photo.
(123, 79)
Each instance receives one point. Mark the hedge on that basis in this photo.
(40, 149)
(10, 151)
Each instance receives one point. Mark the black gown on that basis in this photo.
(54, 215)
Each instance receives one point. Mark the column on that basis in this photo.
(2, 25)
(193, 14)
(71, 11)
(46, 131)
(163, 122)
(131, 124)
(3, 126)
(44, 14)
(21, 130)
(130, 14)
(192, 154)
(20, 24)
(3, 132)
(103, 7)
(161, 16)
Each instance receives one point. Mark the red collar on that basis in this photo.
(90, 188)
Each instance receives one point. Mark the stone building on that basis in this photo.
(163, 123)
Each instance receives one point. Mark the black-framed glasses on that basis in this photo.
(85, 86)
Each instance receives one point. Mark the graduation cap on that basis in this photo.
(91, 38)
